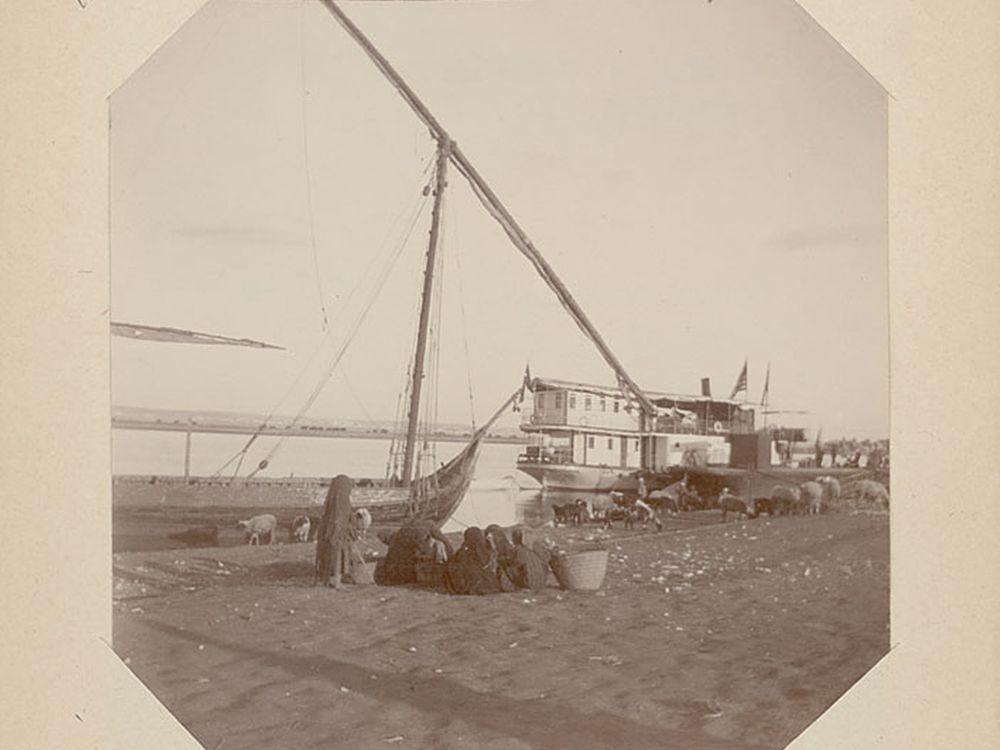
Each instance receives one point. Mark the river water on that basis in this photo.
(162, 454)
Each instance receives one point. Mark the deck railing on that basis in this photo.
(663, 424)
(534, 454)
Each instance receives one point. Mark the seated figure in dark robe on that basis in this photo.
(504, 556)
(415, 542)
(527, 569)
(473, 568)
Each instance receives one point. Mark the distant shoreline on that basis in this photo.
(307, 430)
(233, 423)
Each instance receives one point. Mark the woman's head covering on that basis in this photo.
(472, 537)
(342, 483)
(340, 493)
(475, 542)
(337, 512)
(500, 541)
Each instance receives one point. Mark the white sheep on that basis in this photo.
(258, 528)
(361, 521)
(831, 491)
(870, 491)
(300, 528)
(811, 494)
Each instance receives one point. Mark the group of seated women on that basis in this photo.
(486, 563)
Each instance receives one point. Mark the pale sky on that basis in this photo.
(708, 179)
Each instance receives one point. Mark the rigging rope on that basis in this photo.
(392, 466)
(402, 228)
(350, 338)
(430, 408)
(239, 464)
(354, 393)
(465, 333)
(308, 174)
(524, 246)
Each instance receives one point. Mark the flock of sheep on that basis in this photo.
(263, 528)
(809, 498)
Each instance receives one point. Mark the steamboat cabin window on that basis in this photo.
(558, 400)
(586, 403)
(572, 401)
(604, 405)
(611, 442)
(590, 441)
(616, 406)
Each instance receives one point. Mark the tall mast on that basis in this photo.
(496, 209)
(444, 148)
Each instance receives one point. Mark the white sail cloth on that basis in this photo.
(487, 502)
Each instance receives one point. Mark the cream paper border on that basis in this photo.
(63, 687)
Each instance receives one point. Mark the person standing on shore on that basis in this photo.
(333, 540)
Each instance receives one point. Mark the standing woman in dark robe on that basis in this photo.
(333, 540)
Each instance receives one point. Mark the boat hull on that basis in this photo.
(433, 498)
(386, 505)
(574, 477)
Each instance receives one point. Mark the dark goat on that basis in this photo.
(576, 513)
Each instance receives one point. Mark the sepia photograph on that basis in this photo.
(499, 374)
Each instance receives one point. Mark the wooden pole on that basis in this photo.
(523, 243)
(496, 209)
(187, 454)
(499, 412)
(444, 147)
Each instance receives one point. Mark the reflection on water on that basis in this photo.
(162, 454)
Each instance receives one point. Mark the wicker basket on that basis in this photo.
(430, 574)
(582, 570)
(362, 573)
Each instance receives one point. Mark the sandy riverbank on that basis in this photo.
(721, 635)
